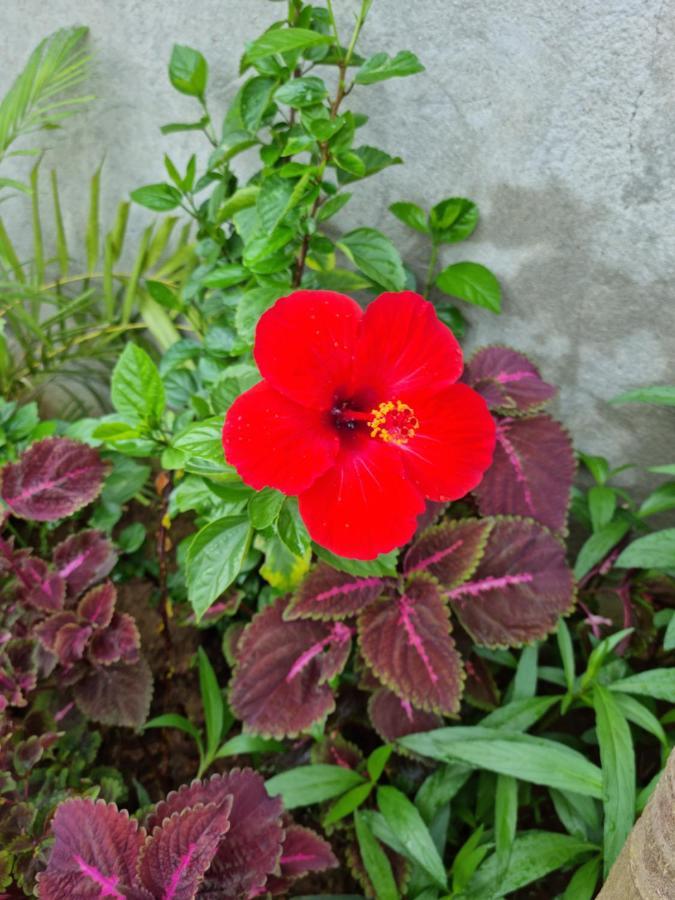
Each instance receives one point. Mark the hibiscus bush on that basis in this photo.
(318, 597)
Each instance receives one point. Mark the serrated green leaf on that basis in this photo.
(654, 551)
(376, 256)
(214, 558)
(381, 66)
(137, 392)
(473, 283)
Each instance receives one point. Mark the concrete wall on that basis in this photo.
(555, 117)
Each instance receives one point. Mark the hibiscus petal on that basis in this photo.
(404, 348)
(273, 442)
(363, 505)
(454, 444)
(304, 346)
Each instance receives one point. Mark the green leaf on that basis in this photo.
(411, 215)
(582, 884)
(378, 760)
(596, 465)
(656, 683)
(305, 91)
(383, 565)
(136, 391)
(306, 785)
(660, 500)
(381, 66)
(661, 395)
(132, 537)
(264, 507)
(453, 220)
(248, 743)
(639, 715)
(663, 470)
(440, 787)
(255, 97)
(533, 759)
(174, 720)
(618, 773)
(203, 440)
(160, 197)
(601, 505)
(525, 680)
(407, 824)
(332, 206)
(534, 855)
(225, 276)
(375, 860)
(188, 71)
(654, 551)
(214, 559)
(506, 818)
(347, 803)
(473, 283)
(669, 636)
(291, 528)
(212, 701)
(580, 815)
(376, 256)
(252, 305)
(566, 653)
(467, 859)
(519, 715)
(598, 545)
(92, 234)
(284, 40)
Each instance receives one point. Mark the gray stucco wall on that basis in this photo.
(556, 118)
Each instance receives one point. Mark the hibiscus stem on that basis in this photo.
(431, 271)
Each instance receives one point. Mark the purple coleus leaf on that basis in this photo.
(119, 642)
(251, 848)
(48, 630)
(18, 671)
(98, 605)
(507, 380)
(52, 479)
(174, 859)
(39, 585)
(303, 851)
(406, 641)
(520, 589)
(393, 718)
(83, 559)
(94, 854)
(70, 642)
(450, 551)
(278, 684)
(327, 593)
(118, 694)
(532, 472)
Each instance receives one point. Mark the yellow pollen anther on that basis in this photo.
(393, 422)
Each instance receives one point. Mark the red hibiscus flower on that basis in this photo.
(359, 416)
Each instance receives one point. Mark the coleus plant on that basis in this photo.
(59, 617)
(224, 838)
(503, 576)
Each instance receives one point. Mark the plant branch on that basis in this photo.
(164, 486)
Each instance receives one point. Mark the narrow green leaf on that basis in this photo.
(347, 803)
(306, 785)
(38, 244)
(92, 232)
(534, 759)
(660, 500)
(61, 242)
(661, 395)
(506, 818)
(566, 653)
(618, 773)
(248, 743)
(212, 701)
(408, 826)
(174, 720)
(669, 636)
(519, 715)
(534, 855)
(639, 715)
(132, 283)
(381, 66)
(377, 760)
(654, 551)
(375, 860)
(525, 680)
(601, 505)
(599, 545)
(582, 884)
(657, 683)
